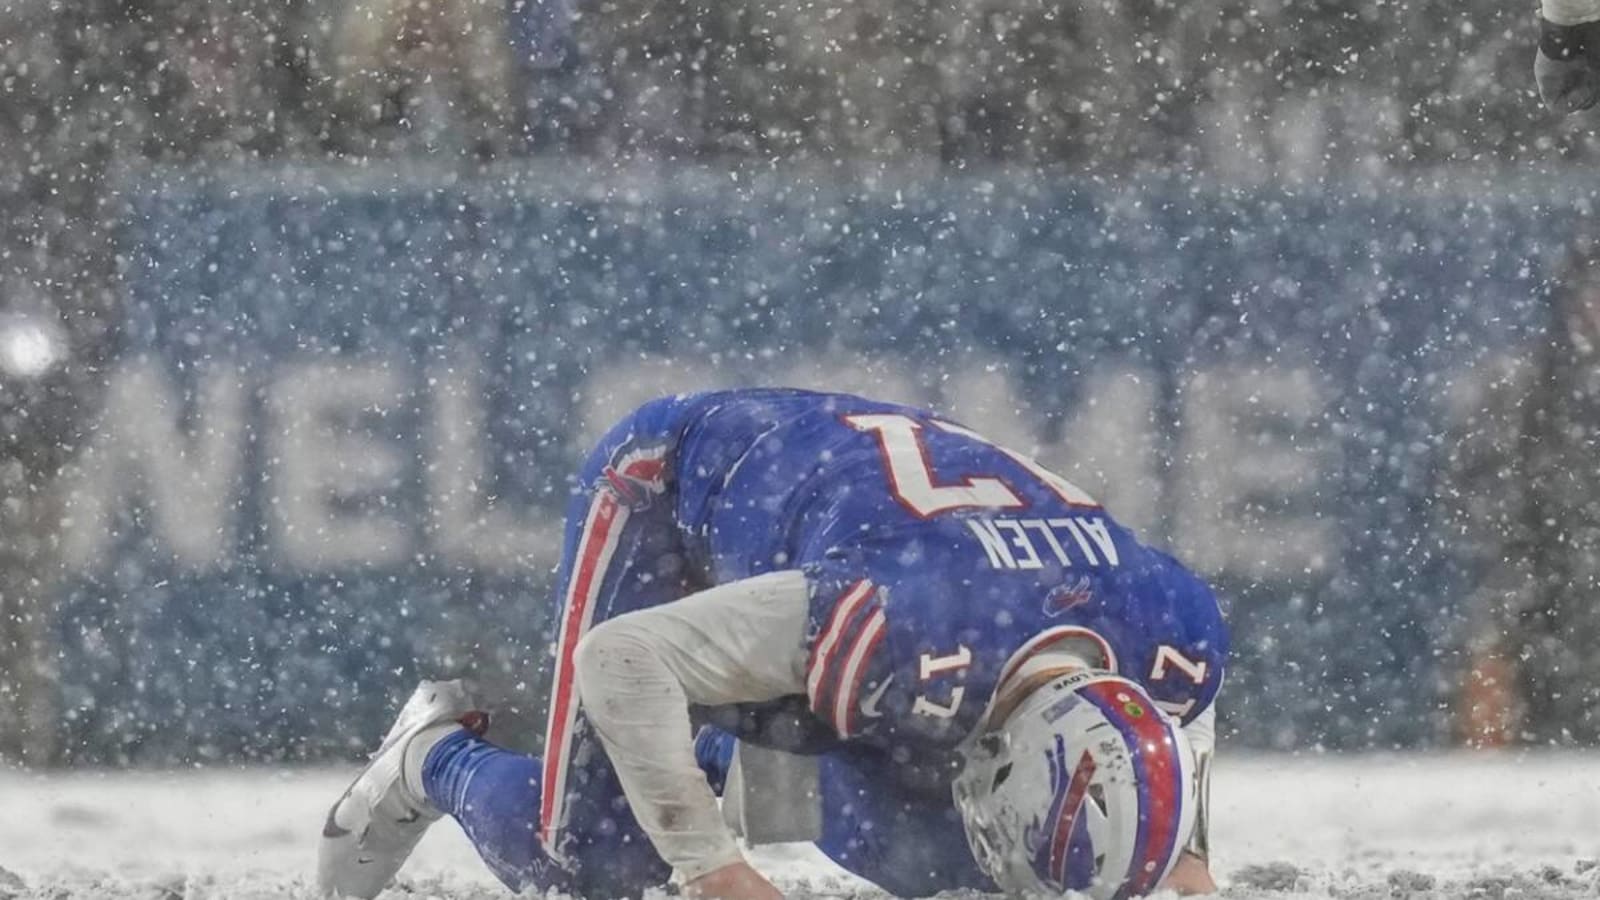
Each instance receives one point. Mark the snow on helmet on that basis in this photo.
(1086, 787)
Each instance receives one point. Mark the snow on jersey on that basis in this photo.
(938, 562)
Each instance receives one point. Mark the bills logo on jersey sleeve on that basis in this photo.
(637, 474)
(1067, 596)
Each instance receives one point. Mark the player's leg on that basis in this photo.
(622, 552)
(562, 820)
(435, 763)
(907, 840)
(495, 794)
(375, 824)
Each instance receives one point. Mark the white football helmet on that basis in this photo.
(1086, 787)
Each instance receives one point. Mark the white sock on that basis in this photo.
(416, 754)
(1570, 12)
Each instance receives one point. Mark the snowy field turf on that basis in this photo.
(1496, 827)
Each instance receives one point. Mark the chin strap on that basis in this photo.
(1202, 735)
(1200, 839)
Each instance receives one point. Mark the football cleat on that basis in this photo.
(374, 826)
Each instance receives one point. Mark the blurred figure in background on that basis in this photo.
(1529, 505)
(544, 57)
(424, 76)
(1567, 64)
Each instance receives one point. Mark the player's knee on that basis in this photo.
(589, 658)
(612, 654)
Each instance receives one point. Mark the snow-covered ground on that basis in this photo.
(1497, 827)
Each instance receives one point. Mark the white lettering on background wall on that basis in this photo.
(983, 397)
(1250, 466)
(337, 471)
(341, 480)
(467, 526)
(617, 388)
(331, 469)
(180, 470)
(1111, 445)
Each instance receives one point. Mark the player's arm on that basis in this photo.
(637, 674)
(1192, 874)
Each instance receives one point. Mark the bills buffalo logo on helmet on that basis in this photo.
(1059, 845)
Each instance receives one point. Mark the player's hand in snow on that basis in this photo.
(1191, 875)
(738, 881)
(1567, 65)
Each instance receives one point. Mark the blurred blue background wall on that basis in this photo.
(342, 419)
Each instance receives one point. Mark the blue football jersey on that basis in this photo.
(938, 560)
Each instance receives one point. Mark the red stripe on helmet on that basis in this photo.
(1160, 772)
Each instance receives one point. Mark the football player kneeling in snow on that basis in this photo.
(864, 625)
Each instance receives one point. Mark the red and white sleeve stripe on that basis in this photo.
(841, 656)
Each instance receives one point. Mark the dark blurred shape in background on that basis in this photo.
(1529, 496)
